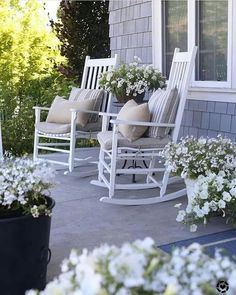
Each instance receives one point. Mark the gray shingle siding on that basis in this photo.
(210, 118)
(130, 29)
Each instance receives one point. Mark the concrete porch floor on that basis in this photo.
(81, 221)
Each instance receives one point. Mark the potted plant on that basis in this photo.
(208, 166)
(25, 218)
(130, 81)
(140, 268)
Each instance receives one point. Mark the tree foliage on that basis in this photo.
(29, 55)
(83, 30)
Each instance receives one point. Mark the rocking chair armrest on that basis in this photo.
(41, 108)
(104, 114)
(140, 123)
(84, 111)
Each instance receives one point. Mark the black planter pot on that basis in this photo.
(24, 253)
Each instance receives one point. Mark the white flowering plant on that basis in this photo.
(129, 80)
(23, 186)
(213, 193)
(142, 269)
(192, 157)
(212, 163)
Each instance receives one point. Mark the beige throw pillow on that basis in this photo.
(131, 111)
(60, 111)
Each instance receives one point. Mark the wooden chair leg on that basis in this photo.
(100, 165)
(36, 142)
(72, 141)
(113, 162)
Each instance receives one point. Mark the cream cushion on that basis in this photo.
(60, 129)
(131, 111)
(163, 105)
(105, 140)
(53, 128)
(60, 111)
(96, 95)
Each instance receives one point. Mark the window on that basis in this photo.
(175, 30)
(212, 39)
(185, 23)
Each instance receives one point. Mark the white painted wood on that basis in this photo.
(180, 75)
(145, 201)
(72, 141)
(47, 148)
(157, 34)
(41, 108)
(92, 69)
(233, 73)
(212, 94)
(140, 123)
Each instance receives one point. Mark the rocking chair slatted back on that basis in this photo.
(180, 76)
(93, 68)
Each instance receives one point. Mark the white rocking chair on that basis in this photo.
(92, 70)
(144, 149)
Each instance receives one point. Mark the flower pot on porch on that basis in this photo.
(190, 184)
(24, 252)
(124, 98)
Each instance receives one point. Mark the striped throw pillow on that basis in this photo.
(163, 106)
(74, 93)
(96, 95)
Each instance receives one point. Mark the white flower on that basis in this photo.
(181, 215)
(34, 211)
(233, 191)
(221, 204)
(232, 279)
(226, 196)
(193, 228)
(202, 140)
(178, 205)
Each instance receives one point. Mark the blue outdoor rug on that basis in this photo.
(225, 240)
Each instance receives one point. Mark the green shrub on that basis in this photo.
(29, 58)
(18, 123)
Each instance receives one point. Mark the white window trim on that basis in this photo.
(157, 42)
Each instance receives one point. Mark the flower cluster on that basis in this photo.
(212, 193)
(140, 268)
(131, 79)
(192, 157)
(22, 184)
(212, 163)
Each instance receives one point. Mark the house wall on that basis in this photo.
(209, 118)
(131, 29)
(206, 112)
